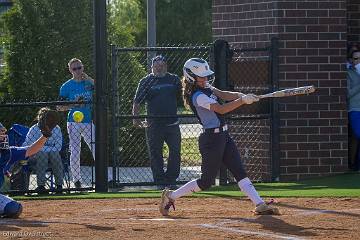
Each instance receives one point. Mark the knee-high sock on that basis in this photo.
(186, 189)
(247, 187)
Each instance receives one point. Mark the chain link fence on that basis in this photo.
(248, 71)
(52, 169)
(132, 145)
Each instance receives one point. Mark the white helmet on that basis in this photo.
(4, 140)
(196, 67)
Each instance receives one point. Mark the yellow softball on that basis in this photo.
(78, 116)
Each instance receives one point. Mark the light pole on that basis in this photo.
(101, 103)
(151, 28)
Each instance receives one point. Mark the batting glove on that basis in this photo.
(250, 98)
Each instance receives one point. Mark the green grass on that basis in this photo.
(344, 185)
(190, 155)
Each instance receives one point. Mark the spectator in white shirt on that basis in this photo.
(50, 153)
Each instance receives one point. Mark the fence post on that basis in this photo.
(221, 56)
(275, 119)
(101, 145)
(114, 122)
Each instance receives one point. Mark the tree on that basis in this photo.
(125, 19)
(124, 24)
(41, 36)
(180, 21)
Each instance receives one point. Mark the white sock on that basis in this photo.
(186, 189)
(247, 187)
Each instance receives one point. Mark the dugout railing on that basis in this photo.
(254, 128)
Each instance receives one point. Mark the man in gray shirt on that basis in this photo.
(159, 91)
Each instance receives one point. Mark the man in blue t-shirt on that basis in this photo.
(8, 157)
(159, 91)
(79, 88)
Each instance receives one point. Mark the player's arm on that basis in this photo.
(227, 107)
(209, 103)
(36, 146)
(227, 95)
(46, 122)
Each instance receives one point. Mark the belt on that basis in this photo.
(216, 130)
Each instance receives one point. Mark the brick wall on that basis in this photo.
(244, 22)
(312, 51)
(353, 22)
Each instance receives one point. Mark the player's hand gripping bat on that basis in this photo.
(289, 92)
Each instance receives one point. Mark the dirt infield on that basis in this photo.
(194, 218)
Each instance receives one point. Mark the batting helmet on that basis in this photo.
(197, 67)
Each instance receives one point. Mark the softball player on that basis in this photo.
(8, 157)
(79, 87)
(215, 144)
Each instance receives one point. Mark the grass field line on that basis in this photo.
(21, 222)
(324, 211)
(256, 233)
(154, 219)
(129, 209)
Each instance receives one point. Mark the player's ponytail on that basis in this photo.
(188, 89)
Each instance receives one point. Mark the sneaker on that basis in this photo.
(266, 209)
(77, 184)
(166, 202)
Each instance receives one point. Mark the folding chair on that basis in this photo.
(17, 134)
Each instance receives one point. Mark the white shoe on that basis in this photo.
(166, 202)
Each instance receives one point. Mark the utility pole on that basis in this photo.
(151, 28)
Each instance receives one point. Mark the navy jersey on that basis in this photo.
(201, 99)
(160, 95)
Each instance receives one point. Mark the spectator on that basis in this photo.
(79, 88)
(10, 156)
(351, 48)
(353, 84)
(50, 153)
(160, 90)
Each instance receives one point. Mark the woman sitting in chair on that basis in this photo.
(50, 153)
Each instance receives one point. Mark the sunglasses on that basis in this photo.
(77, 68)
